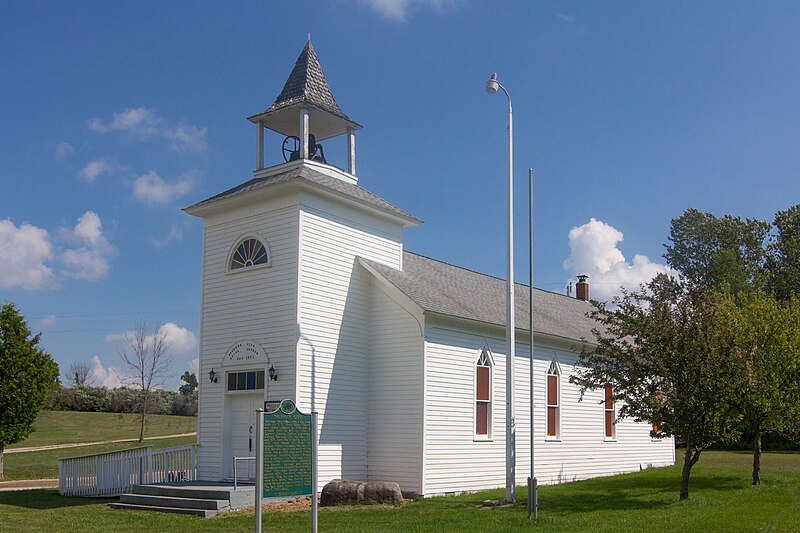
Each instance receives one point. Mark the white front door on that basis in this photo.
(240, 432)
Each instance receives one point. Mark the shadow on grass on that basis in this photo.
(45, 499)
(630, 492)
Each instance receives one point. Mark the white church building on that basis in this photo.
(308, 294)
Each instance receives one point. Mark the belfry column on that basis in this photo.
(304, 131)
(259, 145)
(351, 150)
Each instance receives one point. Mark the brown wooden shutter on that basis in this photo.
(552, 390)
(609, 392)
(483, 384)
(481, 418)
(609, 423)
(551, 421)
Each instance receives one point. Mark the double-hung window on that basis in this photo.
(553, 401)
(608, 411)
(483, 396)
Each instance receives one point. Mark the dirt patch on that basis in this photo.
(298, 504)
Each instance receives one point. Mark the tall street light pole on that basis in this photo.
(491, 87)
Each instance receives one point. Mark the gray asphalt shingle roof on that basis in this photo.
(446, 289)
(301, 173)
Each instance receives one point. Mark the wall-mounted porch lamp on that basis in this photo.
(212, 376)
(273, 375)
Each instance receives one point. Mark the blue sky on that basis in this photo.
(116, 115)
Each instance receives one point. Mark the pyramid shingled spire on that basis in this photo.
(307, 84)
(306, 88)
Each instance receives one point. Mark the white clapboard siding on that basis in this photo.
(580, 452)
(334, 325)
(395, 393)
(258, 304)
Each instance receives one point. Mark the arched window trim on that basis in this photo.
(237, 244)
(553, 430)
(483, 359)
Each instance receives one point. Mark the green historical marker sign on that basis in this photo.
(287, 452)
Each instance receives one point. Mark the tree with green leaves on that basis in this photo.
(709, 251)
(669, 364)
(27, 375)
(190, 383)
(783, 254)
(767, 362)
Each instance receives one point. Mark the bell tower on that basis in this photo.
(306, 113)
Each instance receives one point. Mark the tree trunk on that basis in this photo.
(757, 458)
(2, 450)
(144, 413)
(689, 459)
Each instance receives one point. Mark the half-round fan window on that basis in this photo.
(251, 252)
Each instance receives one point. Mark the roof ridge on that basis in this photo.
(486, 275)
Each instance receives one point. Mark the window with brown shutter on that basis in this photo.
(553, 409)
(483, 395)
(608, 409)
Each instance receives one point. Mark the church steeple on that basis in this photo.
(305, 109)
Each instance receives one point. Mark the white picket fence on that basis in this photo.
(114, 473)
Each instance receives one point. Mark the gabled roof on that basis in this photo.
(300, 173)
(453, 291)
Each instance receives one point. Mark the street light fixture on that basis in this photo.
(491, 87)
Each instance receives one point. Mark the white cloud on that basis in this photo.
(94, 169)
(153, 189)
(594, 252)
(145, 124)
(398, 9)
(89, 260)
(181, 340)
(24, 251)
(46, 321)
(175, 234)
(565, 18)
(60, 150)
(194, 366)
(106, 377)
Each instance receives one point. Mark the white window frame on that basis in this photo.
(553, 370)
(237, 243)
(489, 422)
(245, 391)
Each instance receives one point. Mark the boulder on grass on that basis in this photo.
(342, 492)
(383, 492)
(346, 492)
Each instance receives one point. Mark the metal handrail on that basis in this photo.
(235, 472)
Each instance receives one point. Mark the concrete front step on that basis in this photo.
(183, 491)
(173, 501)
(206, 513)
(195, 497)
(244, 496)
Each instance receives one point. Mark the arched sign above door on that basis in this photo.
(245, 352)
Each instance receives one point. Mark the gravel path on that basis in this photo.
(79, 444)
(27, 484)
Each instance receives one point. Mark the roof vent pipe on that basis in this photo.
(582, 288)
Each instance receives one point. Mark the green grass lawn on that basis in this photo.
(64, 427)
(721, 499)
(44, 464)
